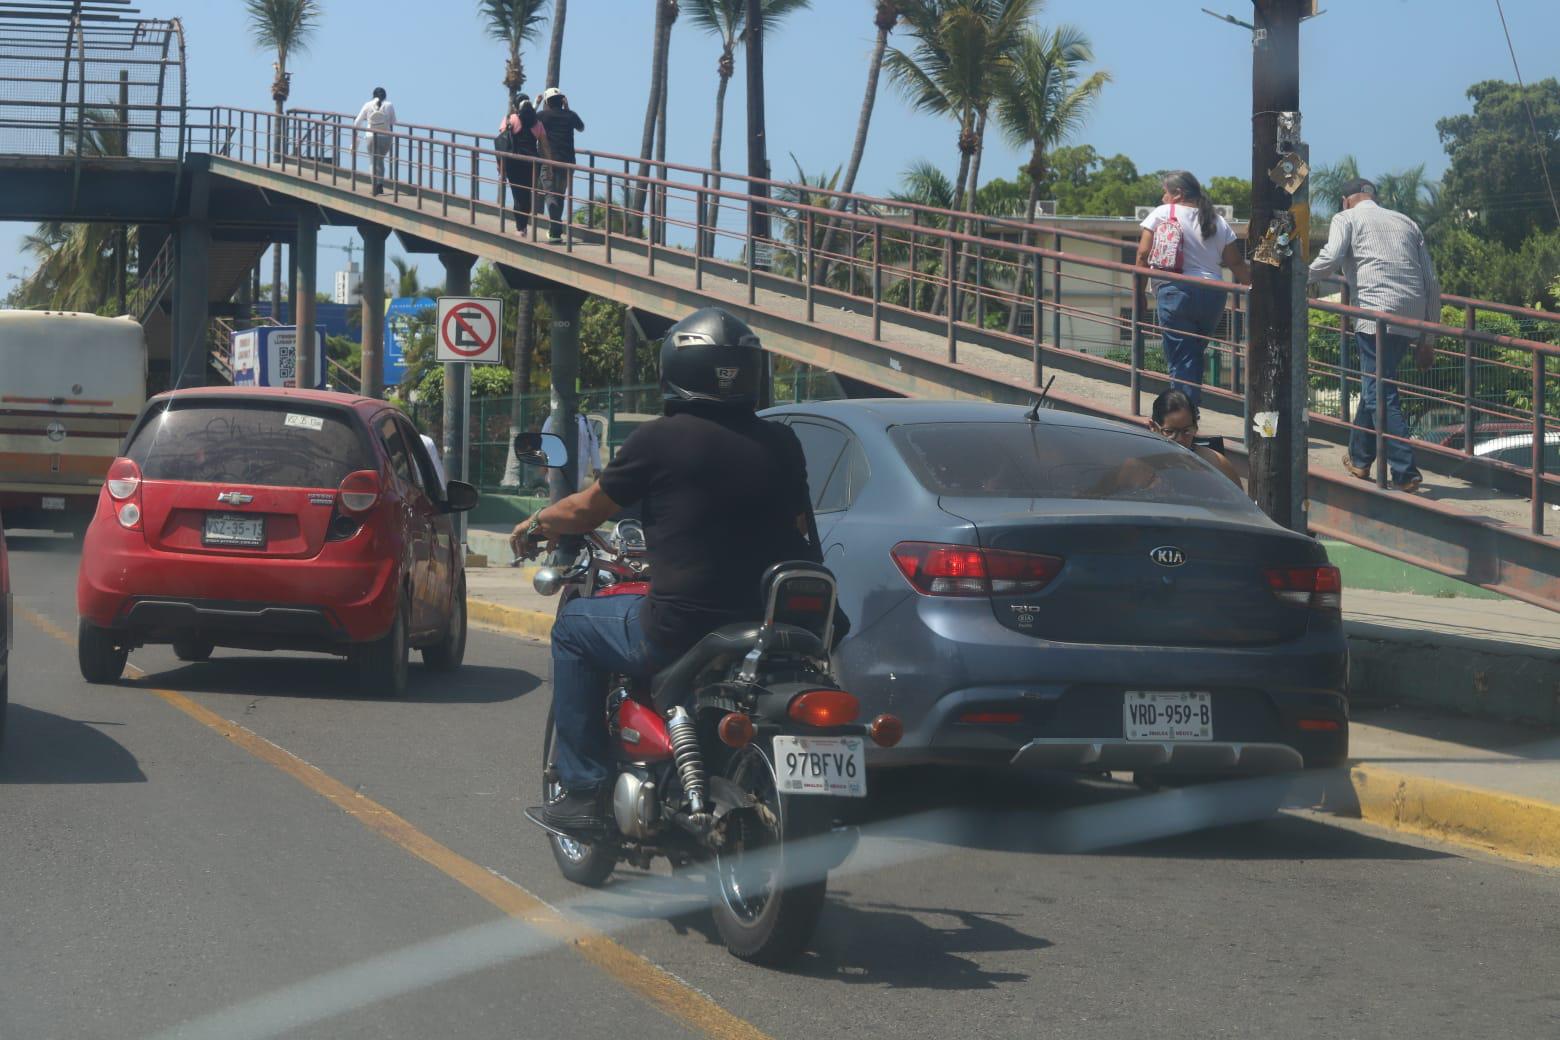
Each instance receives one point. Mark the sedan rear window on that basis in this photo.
(1037, 460)
(273, 444)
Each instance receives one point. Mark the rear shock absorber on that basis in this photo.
(690, 761)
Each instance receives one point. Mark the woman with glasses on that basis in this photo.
(1175, 419)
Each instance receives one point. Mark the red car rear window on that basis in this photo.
(273, 444)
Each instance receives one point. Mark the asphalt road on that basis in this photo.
(248, 847)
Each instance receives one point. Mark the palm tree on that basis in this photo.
(407, 282)
(77, 266)
(1327, 183)
(513, 23)
(727, 21)
(665, 15)
(555, 49)
(284, 26)
(1041, 103)
(1411, 193)
(962, 52)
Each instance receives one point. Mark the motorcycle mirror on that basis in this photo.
(547, 582)
(542, 449)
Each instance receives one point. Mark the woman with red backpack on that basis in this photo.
(1187, 236)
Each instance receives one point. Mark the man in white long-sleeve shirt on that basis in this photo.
(1383, 257)
(378, 118)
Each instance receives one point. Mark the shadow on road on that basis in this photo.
(42, 748)
(330, 679)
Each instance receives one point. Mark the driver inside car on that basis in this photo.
(723, 497)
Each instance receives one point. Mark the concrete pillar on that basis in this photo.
(373, 372)
(192, 265)
(565, 305)
(457, 385)
(305, 258)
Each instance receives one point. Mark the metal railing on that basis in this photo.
(152, 283)
(220, 335)
(861, 255)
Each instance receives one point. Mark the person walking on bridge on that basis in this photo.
(560, 123)
(1383, 257)
(378, 117)
(521, 139)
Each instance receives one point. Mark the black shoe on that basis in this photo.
(578, 810)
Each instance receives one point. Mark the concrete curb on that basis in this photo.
(531, 624)
(1505, 824)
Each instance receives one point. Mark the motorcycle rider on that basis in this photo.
(724, 497)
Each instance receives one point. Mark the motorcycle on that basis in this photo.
(739, 758)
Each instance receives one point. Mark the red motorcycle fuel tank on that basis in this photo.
(642, 733)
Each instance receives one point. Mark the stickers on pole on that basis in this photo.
(470, 330)
(1265, 424)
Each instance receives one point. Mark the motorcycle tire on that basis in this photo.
(587, 863)
(771, 927)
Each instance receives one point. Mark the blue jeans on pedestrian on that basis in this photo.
(593, 639)
(1189, 314)
(1362, 439)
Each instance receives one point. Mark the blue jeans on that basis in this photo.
(1189, 314)
(592, 640)
(1362, 439)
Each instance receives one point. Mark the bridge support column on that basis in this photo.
(305, 258)
(565, 305)
(373, 371)
(191, 309)
(457, 386)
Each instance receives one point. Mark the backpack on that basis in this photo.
(505, 141)
(1166, 253)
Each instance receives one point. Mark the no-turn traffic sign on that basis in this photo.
(469, 329)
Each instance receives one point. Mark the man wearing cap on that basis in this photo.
(1383, 257)
(560, 122)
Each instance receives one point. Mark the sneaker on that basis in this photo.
(554, 239)
(575, 810)
(1408, 484)
(1360, 472)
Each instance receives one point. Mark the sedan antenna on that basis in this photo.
(1033, 415)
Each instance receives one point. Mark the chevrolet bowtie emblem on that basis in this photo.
(235, 498)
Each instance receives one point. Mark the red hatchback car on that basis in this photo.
(270, 519)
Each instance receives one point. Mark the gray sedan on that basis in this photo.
(1057, 591)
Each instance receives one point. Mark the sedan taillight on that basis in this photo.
(359, 491)
(1320, 588)
(934, 569)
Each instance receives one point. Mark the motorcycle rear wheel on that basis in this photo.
(766, 904)
(587, 863)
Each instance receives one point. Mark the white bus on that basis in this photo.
(70, 386)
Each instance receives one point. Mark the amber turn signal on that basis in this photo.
(886, 730)
(736, 730)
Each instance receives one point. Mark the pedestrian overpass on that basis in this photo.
(892, 298)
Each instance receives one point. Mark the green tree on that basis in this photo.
(284, 26)
(513, 23)
(726, 20)
(1496, 175)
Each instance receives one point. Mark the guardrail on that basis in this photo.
(924, 271)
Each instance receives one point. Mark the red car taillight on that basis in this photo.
(359, 491)
(124, 491)
(934, 569)
(1320, 588)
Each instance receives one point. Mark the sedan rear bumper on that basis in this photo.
(1126, 756)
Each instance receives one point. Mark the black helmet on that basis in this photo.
(712, 356)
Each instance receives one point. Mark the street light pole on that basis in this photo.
(1276, 374)
(758, 147)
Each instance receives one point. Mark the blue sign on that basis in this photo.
(399, 313)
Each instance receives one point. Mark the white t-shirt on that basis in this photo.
(587, 453)
(1200, 257)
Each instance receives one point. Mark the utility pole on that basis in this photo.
(758, 144)
(1276, 364)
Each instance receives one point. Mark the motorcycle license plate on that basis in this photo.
(821, 765)
(1167, 716)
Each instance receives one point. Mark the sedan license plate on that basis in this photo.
(54, 503)
(821, 765)
(234, 529)
(1167, 715)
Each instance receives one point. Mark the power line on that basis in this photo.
(1538, 145)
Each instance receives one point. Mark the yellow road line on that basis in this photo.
(673, 998)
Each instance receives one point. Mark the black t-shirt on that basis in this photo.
(560, 124)
(720, 494)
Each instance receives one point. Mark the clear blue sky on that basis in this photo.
(1376, 75)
